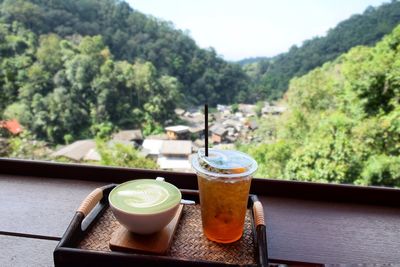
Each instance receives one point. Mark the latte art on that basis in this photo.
(144, 196)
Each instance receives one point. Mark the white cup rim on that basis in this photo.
(147, 213)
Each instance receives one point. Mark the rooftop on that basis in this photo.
(179, 111)
(153, 146)
(247, 109)
(12, 126)
(197, 129)
(178, 129)
(176, 147)
(233, 123)
(173, 163)
(218, 129)
(161, 136)
(92, 155)
(129, 135)
(76, 151)
(215, 126)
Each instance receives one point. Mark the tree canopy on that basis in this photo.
(343, 123)
(63, 89)
(68, 68)
(132, 36)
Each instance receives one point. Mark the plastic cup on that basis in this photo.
(224, 179)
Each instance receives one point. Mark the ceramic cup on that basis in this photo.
(145, 206)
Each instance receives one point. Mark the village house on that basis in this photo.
(152, 147)
(273, 110)
(77, 151)
(217, 117)
(224, 109)
(251, 125)
(179, 111)
(92, 155)
(174, 155)
(247, 110)
(11, 126)
(196, 132)
(178, 132)
(161, 136)
(239, 116)
(218, 133)
(129, 136)
(193, 119)
(85, 150)
(236, 125)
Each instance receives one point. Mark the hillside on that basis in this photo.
(251, 60)
(79, 69)
(344, 121)
(272, 80)
(131, 35)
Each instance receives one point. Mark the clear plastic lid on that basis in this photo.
(224, 163)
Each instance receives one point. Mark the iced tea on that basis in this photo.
(223, 207)
(224, 179)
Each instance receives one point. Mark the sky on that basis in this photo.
(239, 29)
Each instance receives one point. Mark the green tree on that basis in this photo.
(328, 155)
(122, 156)
(235, 108)
(131, 36)
(343, 123)
(26, 146)
(381, 170)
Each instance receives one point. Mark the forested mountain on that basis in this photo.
(251, 60)
(77, 69)
(62, 89)
(343, 123)
(271, 77)
(131, 35)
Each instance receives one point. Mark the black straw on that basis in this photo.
(206, 128)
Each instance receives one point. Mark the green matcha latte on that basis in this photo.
(145, 196)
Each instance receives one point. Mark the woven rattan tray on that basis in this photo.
(87, 239)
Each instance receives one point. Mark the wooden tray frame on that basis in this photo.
(67, 254)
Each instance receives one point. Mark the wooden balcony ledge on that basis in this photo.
(306, 222)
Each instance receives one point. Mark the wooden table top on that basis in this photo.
(36, 210)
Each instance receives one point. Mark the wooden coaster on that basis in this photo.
(157, 243)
